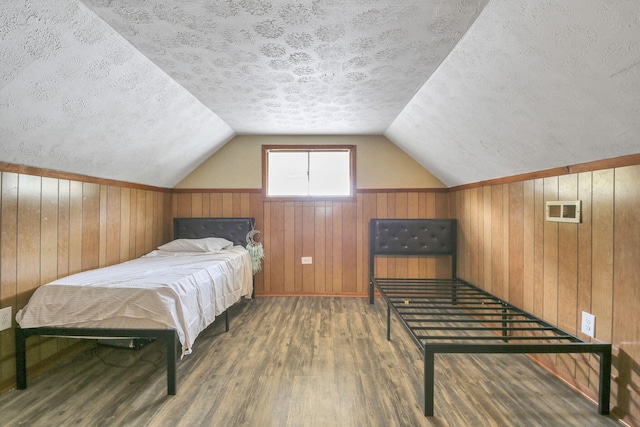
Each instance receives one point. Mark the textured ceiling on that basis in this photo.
(76, 97)
(144, 91)
(296, 67)
(533, 85)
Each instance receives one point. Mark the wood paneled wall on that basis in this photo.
(334, 234)
(558, 270)
(53, 227)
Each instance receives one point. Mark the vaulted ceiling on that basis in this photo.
(145, 91)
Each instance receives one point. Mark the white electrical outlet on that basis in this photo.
(588, 324)
(5, 318)
(307, 260)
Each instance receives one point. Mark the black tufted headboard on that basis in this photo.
(412, 237)
(232, 229)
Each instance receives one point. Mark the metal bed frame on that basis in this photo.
(233, 229)
(447, 316)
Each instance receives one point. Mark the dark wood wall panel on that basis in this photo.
(334, 234)
(558, 270)
(53, 227)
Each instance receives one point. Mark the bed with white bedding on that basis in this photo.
(170, 294)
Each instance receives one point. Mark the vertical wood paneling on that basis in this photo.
(473, 239)
(585, 191)
(298, 247)
(227, 205)
(528, 245)
(276, 245)
(602, 260)
(381, 212)
(289, 248)
(567, 269)
(413, 211)
(266, 265)
(113, 225)
(206, 205)
(90, 258)
(550, 275)
(516, 243)
(184, 205)
(337, 247)
(328, 249)
(495, 286)
(349, 248)
(308, 246)
(626, 292)
(479, 224)
(334, 234)
(49, 231)
(29, 192)
(538, 270)
(125, 224)
(141, 222)
(487, 238)
(215, 205)
(102, 221)
(319, 238)
(505, 240)
(558, 270)
(8, 266)
(133, 221)
(196, 205)
(52, 228)
(148, 222)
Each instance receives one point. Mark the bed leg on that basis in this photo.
(388, 322)
(429, 371)
(454, 293)
(504, 321)
(172, 343)
(371, 292)
(21, 359)
(604, 389)
(226, 320)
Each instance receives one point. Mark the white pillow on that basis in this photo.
(208, 244)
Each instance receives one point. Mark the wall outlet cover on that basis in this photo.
(5, 318)
(588, 324)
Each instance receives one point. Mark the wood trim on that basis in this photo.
(358, 191)
(615, 162)
(50, 173)
(216, 190)
(402, 190)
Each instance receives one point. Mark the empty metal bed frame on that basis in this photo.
(449, 315)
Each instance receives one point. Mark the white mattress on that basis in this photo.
(162, 290)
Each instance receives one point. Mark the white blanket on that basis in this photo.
(162, 290)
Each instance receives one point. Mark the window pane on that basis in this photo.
(288, 173)
(329, 173)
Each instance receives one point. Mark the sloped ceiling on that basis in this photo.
(532, 85)
(144, 91)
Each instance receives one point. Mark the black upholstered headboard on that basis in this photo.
(411, 237)
(232, 229)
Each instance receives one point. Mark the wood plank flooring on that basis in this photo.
(296, 361)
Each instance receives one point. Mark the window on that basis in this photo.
(308, 171)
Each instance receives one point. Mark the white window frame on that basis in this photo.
(266, 149)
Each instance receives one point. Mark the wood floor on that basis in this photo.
(296, 362)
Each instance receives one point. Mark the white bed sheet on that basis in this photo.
(167, 290)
